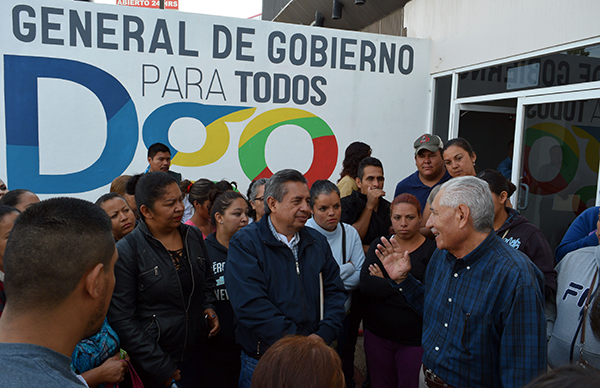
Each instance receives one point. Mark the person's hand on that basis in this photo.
(174, 377)
(395, 262)
(113, 370)
(213, 322)
(373, 197)
(316, 336)
(374, 270)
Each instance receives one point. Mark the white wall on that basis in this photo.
(468, 32)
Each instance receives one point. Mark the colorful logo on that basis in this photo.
(570, 160)
(21, 74)
(254, 139)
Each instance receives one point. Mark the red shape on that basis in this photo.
(266, 173)
(324, 159)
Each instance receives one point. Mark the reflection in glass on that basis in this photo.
(559, 175)
(562, 68)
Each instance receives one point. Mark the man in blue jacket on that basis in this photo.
(281, 277)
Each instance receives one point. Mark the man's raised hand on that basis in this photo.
(396, 262)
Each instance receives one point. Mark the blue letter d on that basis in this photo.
(21, 75)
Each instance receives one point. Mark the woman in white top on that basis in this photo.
(347, 250)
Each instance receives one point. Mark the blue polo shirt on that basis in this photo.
(413, 185)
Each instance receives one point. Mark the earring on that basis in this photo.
(221, 221)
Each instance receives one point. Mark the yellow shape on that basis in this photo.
(269, 118)
(592, 150)
(560, 132)
(217, 141)
(581, 133)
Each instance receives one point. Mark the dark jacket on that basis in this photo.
(521, 234)
(148, 308)
(273, 296)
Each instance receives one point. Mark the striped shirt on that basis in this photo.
(292, 244)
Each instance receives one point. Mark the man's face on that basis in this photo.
(429, 163)
(160, 162)
(293, 211)
(372, 179)
(444, 225)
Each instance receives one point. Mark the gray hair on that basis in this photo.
(322, 186)
(473, 193)
(255, 185)
(275, 186)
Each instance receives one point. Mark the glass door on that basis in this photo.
(559, 159)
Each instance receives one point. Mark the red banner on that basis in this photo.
(169, 4)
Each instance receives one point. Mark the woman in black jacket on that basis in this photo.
(162, 305)
(221, 361)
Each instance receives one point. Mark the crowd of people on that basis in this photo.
(180, 283)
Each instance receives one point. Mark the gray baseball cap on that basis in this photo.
(428, 142)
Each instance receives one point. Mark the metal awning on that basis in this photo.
(354, 17)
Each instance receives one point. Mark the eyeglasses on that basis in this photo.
(259, 199)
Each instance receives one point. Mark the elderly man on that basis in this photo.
(281, 277)
(59, 280)
(481, 301)
(431, 170)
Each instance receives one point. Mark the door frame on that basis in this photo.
(582, 91)
(522, 102)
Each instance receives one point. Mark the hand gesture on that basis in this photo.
(113, 370)
(213, 322)
(374, 270)
(373, 197)
(174, 377)
(395, 262)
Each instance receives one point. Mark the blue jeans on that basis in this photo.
(248, 366)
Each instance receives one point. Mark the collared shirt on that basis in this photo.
(292, 244)
(413, 185)
(483, 316)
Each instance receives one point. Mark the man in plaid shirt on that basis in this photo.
(481, 301)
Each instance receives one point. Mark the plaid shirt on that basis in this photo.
(483, 316)
(293, 243)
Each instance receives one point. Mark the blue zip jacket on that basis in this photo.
(272, 296)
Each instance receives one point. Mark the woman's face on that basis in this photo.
(202, 209)
(121, 216)
(6, 226)
(405, 220)
(234, 219)
(258, 204)
(3, 188)
(327, 211)
(167, 210)
(459, 162)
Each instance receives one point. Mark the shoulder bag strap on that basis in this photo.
(585, 311)
(343, 243)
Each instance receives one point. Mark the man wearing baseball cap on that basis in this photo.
(431, 170)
